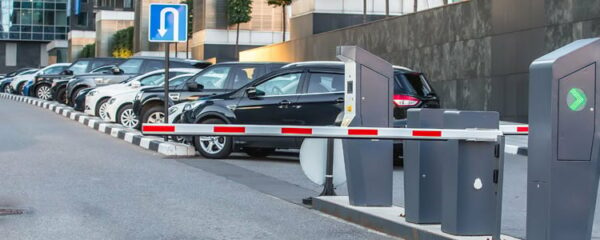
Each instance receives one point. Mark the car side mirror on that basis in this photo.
(67, 72)
(116, 71)
(194, 86)
(254, 93)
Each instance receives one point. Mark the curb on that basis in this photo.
(134, 137)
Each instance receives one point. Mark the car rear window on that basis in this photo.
(412, 83)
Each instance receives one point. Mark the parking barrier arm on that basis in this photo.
(485, 135)
(514, 129)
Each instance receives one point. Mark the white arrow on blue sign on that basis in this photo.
(168, 23)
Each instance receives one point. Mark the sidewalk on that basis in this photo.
(515, 144)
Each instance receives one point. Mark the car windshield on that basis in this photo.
(79, 67)
(28, 72)
(131, 66)
(153, 80)
(178, 81)
(213, 78)
(54, 70)
(412, 83)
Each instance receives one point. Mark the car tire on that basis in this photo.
(259, 152)
(153, 115)
(74, 96)
(61, 95)
(43, 92)
(213, 146)
(100, 110)
(129, 121)
(20, 88)
(6, 88)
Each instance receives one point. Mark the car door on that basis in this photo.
(272, 107)
(322, 99)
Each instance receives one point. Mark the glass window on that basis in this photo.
(213, 78)
(82, 19)
(281, 85)
(79, 67)
(53, 70)
(25, 17)
(243, 76)
(412, 83)
(153, 80)
(38, 17)
(325, 82)
(178, 81)
(153, 65)
(103, 69)
(49, 17)
(61, 18)
(131, 66)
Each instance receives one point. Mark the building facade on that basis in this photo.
(26, 28)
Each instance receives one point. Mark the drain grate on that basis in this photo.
(5, 211)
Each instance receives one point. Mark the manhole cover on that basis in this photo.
(4, 211)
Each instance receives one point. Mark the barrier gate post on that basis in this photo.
(562, 177)
(469, 197)
(367, 103)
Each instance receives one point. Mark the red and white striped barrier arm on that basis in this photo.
(514, 129)
(489, 135)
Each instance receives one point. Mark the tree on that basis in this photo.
(282, 4)
(190, 4)
(238, 11)
(88, 51)
(122, 43)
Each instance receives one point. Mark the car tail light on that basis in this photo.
(405, 101)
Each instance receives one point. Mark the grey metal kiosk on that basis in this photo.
(562, 178)
(369, 163)
(423, 165)
(469, 194)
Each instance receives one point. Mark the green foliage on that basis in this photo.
(190, 4)
(239, 11)
(122, 43)
(279, 3)
(88, 51)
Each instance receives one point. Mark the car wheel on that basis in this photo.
(74, 96)
(61, 95)
(7, 88)
(20, 88)
(101, 107)
(259, 152)
(154, 115)
(43, 92)
(127, 117)
(213, 146)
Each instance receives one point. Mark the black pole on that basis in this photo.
(328, 188)
(364, 11)
(166, 84)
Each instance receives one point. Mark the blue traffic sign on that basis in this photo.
(168, 23)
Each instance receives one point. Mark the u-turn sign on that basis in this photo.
(168, 23)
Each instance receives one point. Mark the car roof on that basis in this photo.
(332, 64)
(254, 63)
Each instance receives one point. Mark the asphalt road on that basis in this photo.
(75, 183)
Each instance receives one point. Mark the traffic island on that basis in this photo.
(389, 220)
(156, 144)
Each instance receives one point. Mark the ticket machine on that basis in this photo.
(564, 127)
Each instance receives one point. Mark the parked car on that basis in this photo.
(128, 69)
(5, 82)
(309, 93)
(59, 87)
(44, 83)
(19, 82)
(97, 99)
(19, 79)
(120, 107)
(216, 79)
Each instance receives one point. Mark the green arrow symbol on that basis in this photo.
(576, 99)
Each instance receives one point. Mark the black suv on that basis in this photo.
(216, 79)
(126, 70)
(45, 83)
(308, 93)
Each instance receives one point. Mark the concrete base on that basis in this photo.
(387, 220)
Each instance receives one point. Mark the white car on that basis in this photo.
(120, 107)
(19, 81)
(96, 100)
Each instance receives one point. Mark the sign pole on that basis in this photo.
(166, 84)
